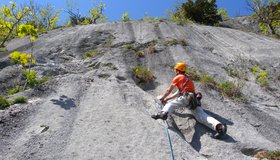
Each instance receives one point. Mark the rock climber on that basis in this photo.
(185, 96)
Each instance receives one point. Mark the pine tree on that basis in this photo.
(200, 11)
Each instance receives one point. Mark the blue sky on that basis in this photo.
(137, 9)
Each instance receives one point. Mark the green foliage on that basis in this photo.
(269, 155)
(261, 76)
(86, 21)
(125, 17)
(15, 90)
(27, 29)
(48, 17)
(208, 81)
(147, 18)
(278, 77)
(264, 28)
(267, 13)
(90, 53)
(178, 17)
(3, 102)
(231, 90)
(200, 11)
(223, 13)
(68, 24)
(255, 69)
(97, 14)
(20, 99)
(144, 74)
(10, 17)
(227, 88)
(22, 58)
(31, 77)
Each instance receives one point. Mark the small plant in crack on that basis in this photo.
(173, 42)
(144, 74)
(89, 54)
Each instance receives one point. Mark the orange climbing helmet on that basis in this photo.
(181, 66)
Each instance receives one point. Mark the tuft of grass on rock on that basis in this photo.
(3, 102)
(20, 99)
(144, 74)
(89, 54)
(261, 76)
(208, 82)
(15, 90)
(269, 155)
(231, 90)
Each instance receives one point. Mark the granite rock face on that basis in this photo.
(95, 108)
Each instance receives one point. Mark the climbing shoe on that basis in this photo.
(221, 131)
(160, 115)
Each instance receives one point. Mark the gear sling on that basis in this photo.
(193, 101)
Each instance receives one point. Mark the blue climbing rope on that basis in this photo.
(167, 135)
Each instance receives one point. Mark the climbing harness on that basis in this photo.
(160, 106)
(183, 87)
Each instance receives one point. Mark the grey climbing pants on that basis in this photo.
(198, 112)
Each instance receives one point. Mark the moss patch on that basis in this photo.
(89, 54)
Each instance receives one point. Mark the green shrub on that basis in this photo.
(3, 102)
(90, 53)
(31, 77)
(208, 81)
(230, 90)
(15, 90)
(86, 21)
(278, 77)
(20, 99)
(144, 74)
(146, 18)
(125, 17)
(269, 155)
(178, 17)
(200, 11)
(261, 76)
(255, 69)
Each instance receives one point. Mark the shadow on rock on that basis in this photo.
(64, 102)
